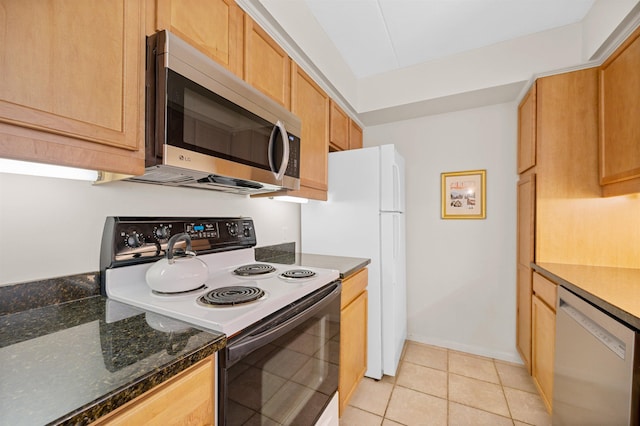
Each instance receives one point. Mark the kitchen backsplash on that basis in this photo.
(37, 294)
(278, 253)
(53, 227)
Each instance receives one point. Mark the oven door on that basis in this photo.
(283, 370)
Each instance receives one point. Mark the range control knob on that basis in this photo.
(162, 232)
(134, 239)
(247, 231)
(232, 228)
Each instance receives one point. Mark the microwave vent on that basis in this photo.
(162, 177)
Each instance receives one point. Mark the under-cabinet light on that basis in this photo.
(46, 170)
(290, 199)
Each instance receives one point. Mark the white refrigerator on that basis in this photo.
(364, 217)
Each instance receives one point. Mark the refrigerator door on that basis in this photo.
(391, 180)
(353, 222)
(393, 286)
(348, 224)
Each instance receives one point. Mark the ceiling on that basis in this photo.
(390, 60)
(377, 36)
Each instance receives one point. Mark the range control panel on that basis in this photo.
(130, 240)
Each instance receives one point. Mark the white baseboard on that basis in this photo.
(513, 357)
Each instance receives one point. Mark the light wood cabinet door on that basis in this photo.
(619, 119)
(267, 67)
(72, 85)
(525, 255)
(526, 219)
(215, 27)
(353, 348)
(311, 104)
(523, 314)
(186, 399)
(355, 135)
(527, 131)
(353, 335)
(543, 351)
(339, 134)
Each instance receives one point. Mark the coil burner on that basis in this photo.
(254, 269)
(231, 296)
(297, 274)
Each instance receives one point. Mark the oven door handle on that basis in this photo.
(277, 326)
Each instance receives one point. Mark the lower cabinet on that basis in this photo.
(543, 325)
(353, 335)
(188, 398)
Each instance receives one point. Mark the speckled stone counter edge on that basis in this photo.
(96, 409)
(286, 254)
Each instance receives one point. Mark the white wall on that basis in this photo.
(461, 273)
(601, 21)
(53, 227)
(496, 65)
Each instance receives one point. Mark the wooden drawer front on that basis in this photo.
(353, 286)
(546, 290)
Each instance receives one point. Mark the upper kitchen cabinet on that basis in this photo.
(215, 27)
(344, 133)
(311, 104)
(619, 123)
(72, 86)
(355, 135)
(267, 67)
(527, 131)
(339, 138)
(568, 204)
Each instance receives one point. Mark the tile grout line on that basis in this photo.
(448, 372)
(503, 392)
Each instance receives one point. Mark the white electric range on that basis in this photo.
(226, 246)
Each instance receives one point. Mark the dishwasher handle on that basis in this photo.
(605, 337)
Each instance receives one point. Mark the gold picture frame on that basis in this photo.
(464, 194)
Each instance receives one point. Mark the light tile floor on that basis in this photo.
(436, 386)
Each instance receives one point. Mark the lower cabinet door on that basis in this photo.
(544, 335)
(353, 347)
(523, 319)
(187, 398)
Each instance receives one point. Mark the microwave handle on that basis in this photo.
(279, 173)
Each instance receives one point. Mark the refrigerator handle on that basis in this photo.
(396, 238)
(396, 187)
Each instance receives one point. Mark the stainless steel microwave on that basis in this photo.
(207, 128)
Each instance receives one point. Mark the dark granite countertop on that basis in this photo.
(285, 254)
(345, 265)
(614, 290)
(73, 362)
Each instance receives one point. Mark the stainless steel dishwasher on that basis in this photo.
(596, 366)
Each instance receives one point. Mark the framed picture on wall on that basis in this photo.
(464, 195)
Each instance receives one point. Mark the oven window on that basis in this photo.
(290, 380)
